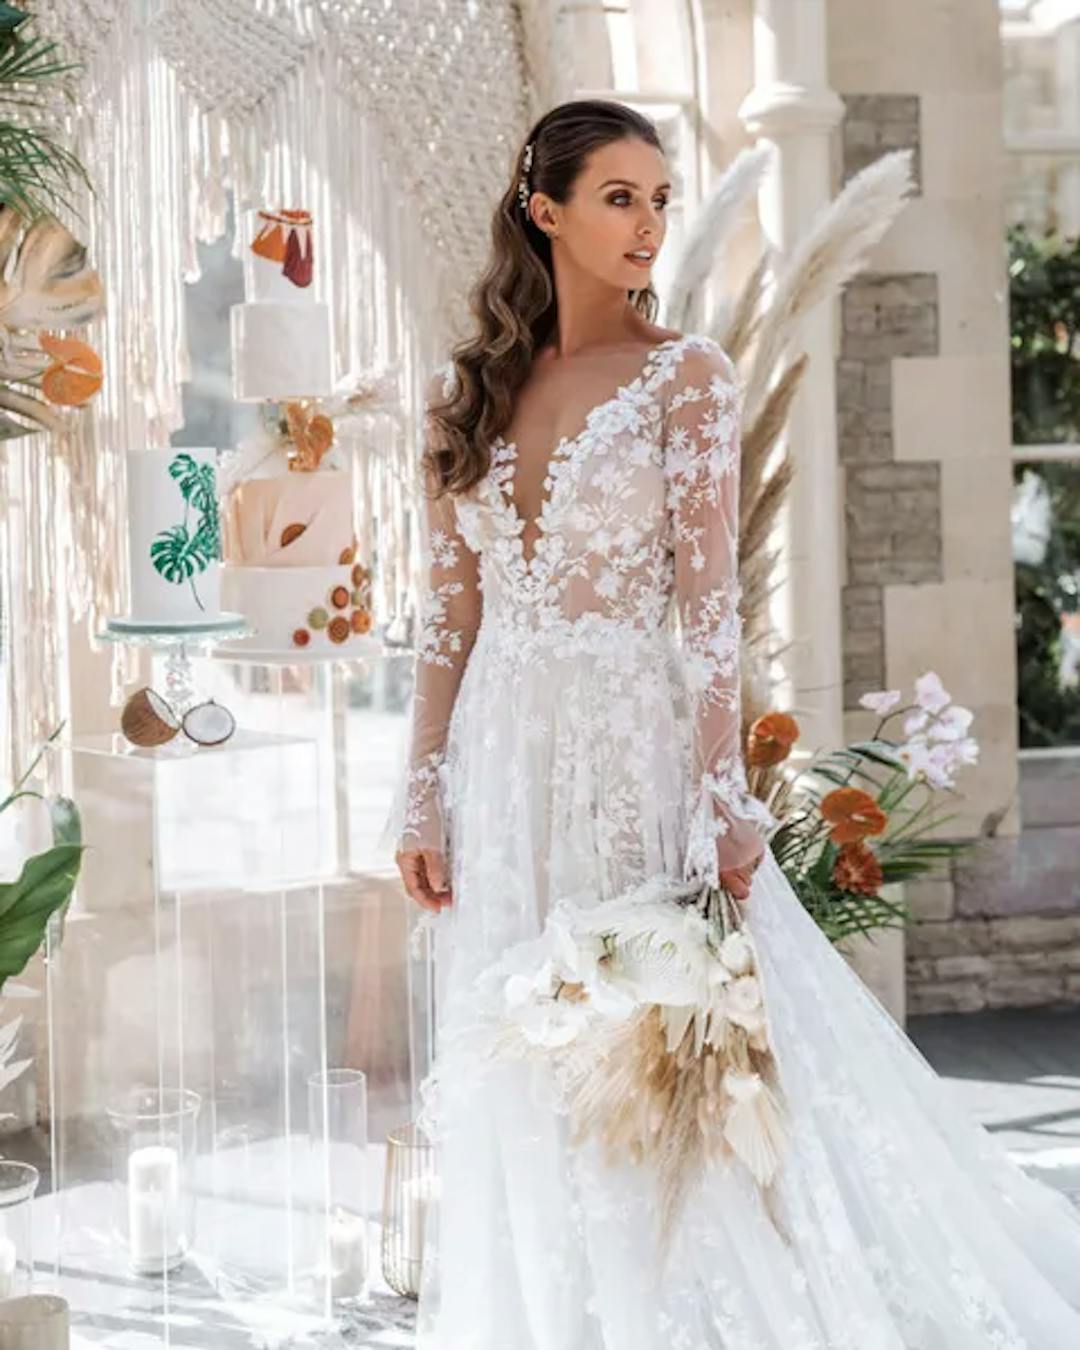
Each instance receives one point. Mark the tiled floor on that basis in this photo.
(1018, 1073)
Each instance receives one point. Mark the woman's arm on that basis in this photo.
(701, 457)
(450, 612)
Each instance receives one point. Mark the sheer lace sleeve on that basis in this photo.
(701, 459)
(450, 607)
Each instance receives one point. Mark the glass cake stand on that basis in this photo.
(181, 641)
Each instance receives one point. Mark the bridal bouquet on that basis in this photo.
(649, 1011)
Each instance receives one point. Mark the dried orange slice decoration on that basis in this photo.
(74, 376)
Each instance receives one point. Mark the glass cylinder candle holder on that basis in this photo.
(338, 1127)
(154, 1153)
(410, 1196)
(18, 1182)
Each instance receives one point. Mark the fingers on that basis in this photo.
(419, 870)
(736, 881)
(436, 871)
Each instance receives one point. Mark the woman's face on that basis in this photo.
(615, 210)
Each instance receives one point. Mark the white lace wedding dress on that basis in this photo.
(576, 730)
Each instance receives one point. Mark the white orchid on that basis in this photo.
(951, 724)
(930, 693)
(882, 702)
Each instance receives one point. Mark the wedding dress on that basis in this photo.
(576, 730)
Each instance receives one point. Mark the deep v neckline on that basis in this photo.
(562, 454)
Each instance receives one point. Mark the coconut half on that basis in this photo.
(209, 723)
(147, 720)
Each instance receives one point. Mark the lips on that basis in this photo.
(640, 262)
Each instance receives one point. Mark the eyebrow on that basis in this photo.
(627, 183)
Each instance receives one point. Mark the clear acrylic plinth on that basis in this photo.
(186, 1014)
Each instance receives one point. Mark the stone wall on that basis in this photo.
(924, 438)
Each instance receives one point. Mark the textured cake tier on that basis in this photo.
(280, 350)
(290, 520)
(308, 609)
(174, 543)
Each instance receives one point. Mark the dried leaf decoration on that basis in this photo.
(45, 283)
(311, 434)
(286, 237)
(75, 374)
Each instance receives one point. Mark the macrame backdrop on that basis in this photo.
(394, 121)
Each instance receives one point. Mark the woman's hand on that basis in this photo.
(425, 875)
(736, 880)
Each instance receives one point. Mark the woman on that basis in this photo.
(583, 470)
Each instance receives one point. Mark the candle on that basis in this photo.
(154, 1229)
(348, 1254)
(419, 1194)
(7, 1267)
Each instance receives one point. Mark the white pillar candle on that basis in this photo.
(154, 1227)
(419, 1194)
(7, 1267)
(348, 1254)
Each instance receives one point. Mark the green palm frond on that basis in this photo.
(37, 172)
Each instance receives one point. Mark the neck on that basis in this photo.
(591, 312)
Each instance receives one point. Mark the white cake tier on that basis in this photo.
(174, 541)
(280, 350)
(300, 609)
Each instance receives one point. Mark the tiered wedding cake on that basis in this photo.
(290, 551)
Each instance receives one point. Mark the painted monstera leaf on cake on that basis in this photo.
(182, 552)
(45, 284)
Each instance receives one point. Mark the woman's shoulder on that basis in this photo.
(694, 358)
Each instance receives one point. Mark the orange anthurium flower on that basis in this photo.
(853, 814)
(74, 376)
(856, 869)
(771, 738)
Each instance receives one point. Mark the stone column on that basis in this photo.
(792, 106)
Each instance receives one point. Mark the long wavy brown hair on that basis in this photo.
(514, 302)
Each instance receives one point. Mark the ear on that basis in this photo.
(544, 213)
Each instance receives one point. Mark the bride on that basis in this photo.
(575, 732)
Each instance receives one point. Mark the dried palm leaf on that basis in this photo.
(832, 251)
(710, 229)
(735, 329)
(45, 280)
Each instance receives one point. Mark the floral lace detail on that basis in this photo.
(636, 535)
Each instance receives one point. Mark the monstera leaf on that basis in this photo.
(178, 555)
(196, 482)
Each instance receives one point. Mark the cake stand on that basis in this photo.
(181, 641)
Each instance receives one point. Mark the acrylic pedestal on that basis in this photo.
(186, 1013)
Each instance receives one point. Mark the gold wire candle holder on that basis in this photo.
(410, 1194)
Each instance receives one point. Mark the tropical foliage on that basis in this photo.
(856, 820)
(183, 551)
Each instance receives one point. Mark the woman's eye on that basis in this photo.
(618, 198)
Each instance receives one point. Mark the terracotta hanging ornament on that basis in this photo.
(286, 237)
(209, 724)
(147, 720)
(310, 435)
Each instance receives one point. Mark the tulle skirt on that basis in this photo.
(903, 1223)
